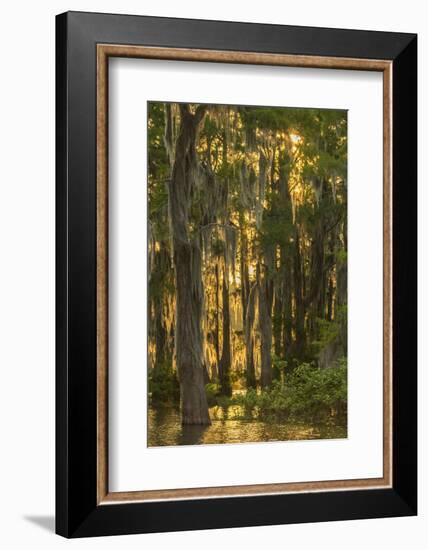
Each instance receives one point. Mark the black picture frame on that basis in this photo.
(77, 511)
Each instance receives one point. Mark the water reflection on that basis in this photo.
(233, 425)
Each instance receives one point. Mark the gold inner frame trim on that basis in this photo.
(104, 51)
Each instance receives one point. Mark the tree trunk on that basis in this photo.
(188, 276)
(299, 327)
(342, 295)
(278, 318)
(314, 301)
(224, 366)
(286, 280)
(159, 269)
(160, 336)
(245, 280)
(265, 323)
(217, 314)
(330, 295)
(287, 285)
(249, 337)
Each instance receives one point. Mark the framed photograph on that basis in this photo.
(236, 274)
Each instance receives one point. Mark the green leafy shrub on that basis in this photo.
(317, 392)
(307, 392)
(164, 387)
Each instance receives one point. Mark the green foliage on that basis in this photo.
(158, 200)
(158, 162)
(307, 392)
(341, 256)
(279, 367)
(276, 229)
(318, 391)
(164, 387)
(212, 391)
(328, 331)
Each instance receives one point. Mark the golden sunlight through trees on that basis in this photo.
(247, 273)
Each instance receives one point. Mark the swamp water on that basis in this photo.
(231, 425)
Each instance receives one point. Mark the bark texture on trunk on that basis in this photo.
(299, 322)
(188, 276)
(285, 282)
(217, 313)
(288, 307)
(249, 337)
(342, 296)
(245, 279)
(160, 335)
(226, 355)
(160, 266)
(277, 320)
(315, 298)
(265, 324)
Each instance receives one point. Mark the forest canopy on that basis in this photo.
(247, 261)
